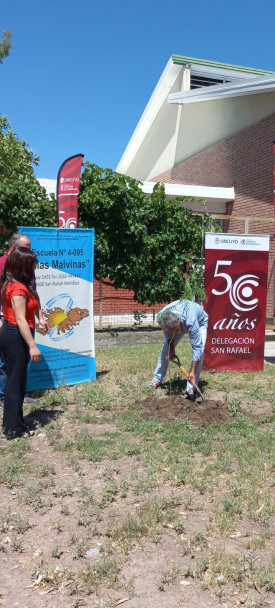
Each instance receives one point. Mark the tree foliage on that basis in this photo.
(148, 244)
(22, 199)
(5, 45)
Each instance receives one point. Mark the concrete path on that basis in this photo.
(269, 351)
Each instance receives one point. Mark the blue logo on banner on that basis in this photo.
(54, 331)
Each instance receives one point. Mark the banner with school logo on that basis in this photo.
(64, 282)
(236, 267)
(67, 190)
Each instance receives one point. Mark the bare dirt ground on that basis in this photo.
(67, 528)
(199, 412)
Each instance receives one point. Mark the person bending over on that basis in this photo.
(176, 319)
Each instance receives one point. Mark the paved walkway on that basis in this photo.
(269, 351)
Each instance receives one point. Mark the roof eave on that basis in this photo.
(181, 60)
(158, 97)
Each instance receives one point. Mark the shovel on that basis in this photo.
(186, 373)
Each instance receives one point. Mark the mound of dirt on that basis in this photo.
(200, 412)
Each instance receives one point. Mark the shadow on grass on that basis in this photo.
(104, 373)
(178, 386)
(270, 359)
(41, 417)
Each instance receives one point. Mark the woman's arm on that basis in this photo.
(19, 309)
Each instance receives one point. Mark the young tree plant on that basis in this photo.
(148, 244)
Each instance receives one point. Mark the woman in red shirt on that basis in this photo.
(19, 305)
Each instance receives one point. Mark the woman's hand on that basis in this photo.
(35, 354)
(43, 322)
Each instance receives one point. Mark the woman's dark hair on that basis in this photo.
(19, 266)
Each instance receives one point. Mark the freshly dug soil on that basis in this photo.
(200, 412)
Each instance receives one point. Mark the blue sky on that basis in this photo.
(80, 72)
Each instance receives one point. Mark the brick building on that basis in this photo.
(209, 128)
(206, 132)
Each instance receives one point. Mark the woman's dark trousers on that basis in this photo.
(16, 358)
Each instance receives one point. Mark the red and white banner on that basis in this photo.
(236, 267)
(67, 191)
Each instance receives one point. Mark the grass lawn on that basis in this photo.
(135, 497)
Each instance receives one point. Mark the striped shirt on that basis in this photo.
(192, 317)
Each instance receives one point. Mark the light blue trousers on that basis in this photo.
(162, 365)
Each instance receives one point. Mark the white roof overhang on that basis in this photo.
(208, 192)
(247, 86)
(215, 198)
(48, 184)
(212, 199)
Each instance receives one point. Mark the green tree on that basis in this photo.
(149, 244)
(22, 199)
(5, 45)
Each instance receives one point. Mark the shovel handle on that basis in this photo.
(183, 369)
(186, 373)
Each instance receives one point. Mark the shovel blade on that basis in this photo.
(199, 391)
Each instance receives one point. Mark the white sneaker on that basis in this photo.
(155, 383)
(28, 400)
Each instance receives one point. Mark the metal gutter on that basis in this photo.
(193, 191)
(180, 60)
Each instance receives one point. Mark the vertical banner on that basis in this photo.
(274, 171)
(67, 190)
(64, 282)
(236, 267)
